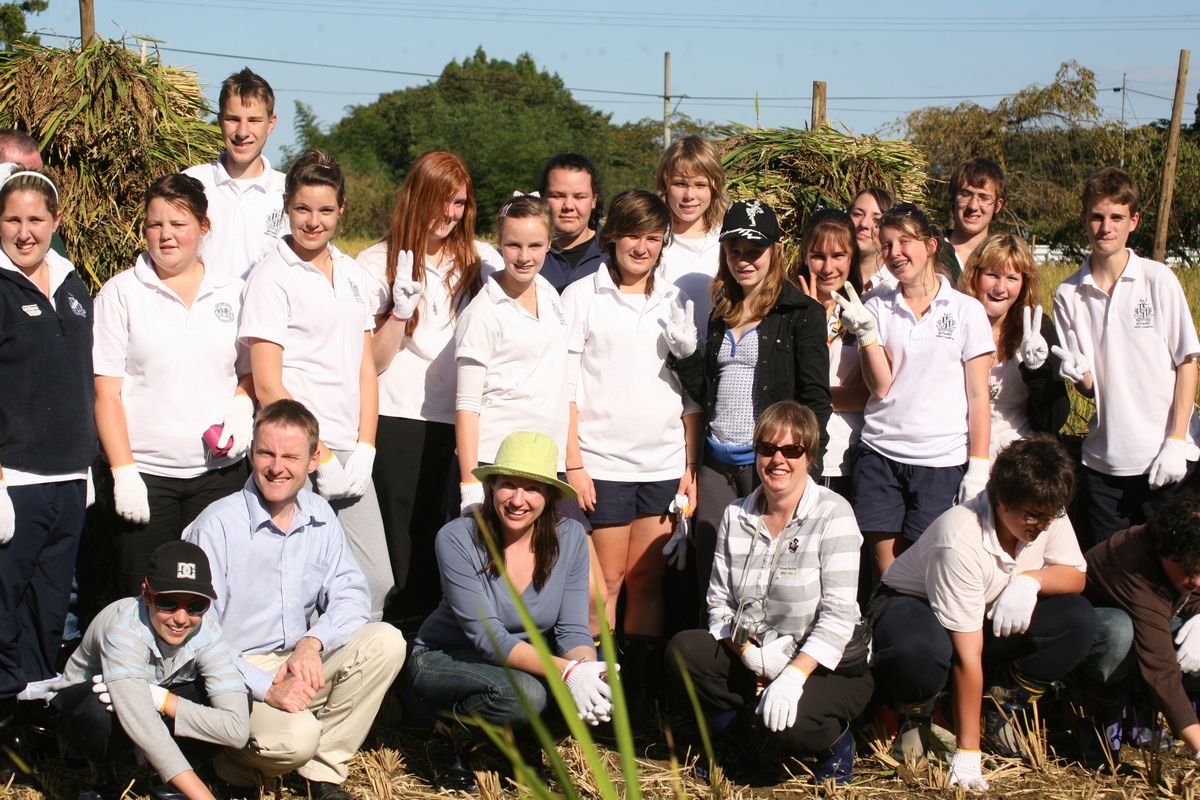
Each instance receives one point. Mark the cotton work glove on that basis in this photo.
(1187, 642)
(237, 426)
(332, 481)
(974, 479)
(406, 293)
(129, 494)
(1170, 465)
(1034, 348)
(591, 693)
(780, 701)
(358, 469)
(966, 770)
(1013, 609)
(8, 515)
(857, 319)
(1075, 366)
(471, 497)
(680, 332)
(677, 546)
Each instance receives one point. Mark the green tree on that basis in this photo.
(12, 21)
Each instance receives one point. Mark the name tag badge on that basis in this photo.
(787, 573)
(33, 309)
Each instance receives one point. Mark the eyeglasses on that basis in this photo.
(767, 450)
(169, 604)
(965, 196)
(1042, 520)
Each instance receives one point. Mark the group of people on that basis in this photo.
(312, 465)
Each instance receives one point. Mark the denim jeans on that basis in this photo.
(461, 683)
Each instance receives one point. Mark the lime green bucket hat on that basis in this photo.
(526, 454)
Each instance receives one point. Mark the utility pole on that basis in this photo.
(87, 23)
(818, 104)
(1124, 89)
(666, 99)
(1167, 195)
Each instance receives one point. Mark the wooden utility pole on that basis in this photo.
(87, 23)
(666, 99)
(818, 104)
(1167, 195)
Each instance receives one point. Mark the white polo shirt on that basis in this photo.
(525, 386)
(619, 341)
(420, 382)
(320, 327)
(178, 366)
(247, 216)
(691, 265)
(959, 566)
(844, 427)
(923, 419)
(1135, 338)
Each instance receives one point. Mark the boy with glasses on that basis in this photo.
(976, 197)
(987, 596)
(150, 670)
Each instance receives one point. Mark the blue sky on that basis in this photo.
(880, 61)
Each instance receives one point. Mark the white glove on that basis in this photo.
(781, 699)
(1013, 609)
(966, 770)
(1075, 365)
(8, 515)
(771, 659)
(472, 497)
(856, 318)
(158, 696)
(100, 689)
(332, 481)
(89, 494)
(1034, 348)
(237, 426)
(405, 293)
(358, 469)
(1170, 465)
(681, 330)
(129, 494)
(974, 479)
(1188, 642)
(677, 546)
(592, 695)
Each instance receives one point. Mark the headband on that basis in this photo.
(23, 172)
(516, 195)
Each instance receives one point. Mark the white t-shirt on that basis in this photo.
(320, 327)
(525, 386)
(959, 566)
(1010, 405)
(420, 382)
(844, 427)
(618, 339)
(923, 419)
(1134, 338)
(247, 216)
(178, 366)
(691, 265)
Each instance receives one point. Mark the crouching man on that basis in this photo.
(988, 596)
(151, 670)
(295, 610)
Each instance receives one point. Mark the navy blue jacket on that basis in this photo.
(559, 271)
(47, 404)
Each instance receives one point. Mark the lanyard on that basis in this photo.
(772, 567)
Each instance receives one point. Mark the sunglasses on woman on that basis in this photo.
(169, 605)
(767, 450)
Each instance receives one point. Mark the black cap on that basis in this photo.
(180, 567)
(753, 220)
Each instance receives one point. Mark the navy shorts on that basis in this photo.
(621, 502)
(891, 497)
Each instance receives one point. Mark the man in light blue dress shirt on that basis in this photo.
(295, 610)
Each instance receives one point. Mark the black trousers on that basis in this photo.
(913, 651)
(1116, 502)
(412, 470)
(723, 683)
(35, 580)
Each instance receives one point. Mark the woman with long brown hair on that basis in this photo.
(426, 271)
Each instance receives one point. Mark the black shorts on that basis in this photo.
(621, 502)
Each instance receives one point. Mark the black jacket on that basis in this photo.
(47, 404)
(1048, 405)
(793, 361)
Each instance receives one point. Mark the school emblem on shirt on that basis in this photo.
(223, 312)
(946, 325)
(558, 312)
(1143, 314)
(76, 306)
(354, 290)
(274, 223)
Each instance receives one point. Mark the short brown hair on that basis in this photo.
(632, 213)
(1112, 184)
(182, 191)
(693, 155)
(291, 414)
(999, 251)
(314, 168)
(1034, 473)
(788, 416)
(976, 172)
(247, 85)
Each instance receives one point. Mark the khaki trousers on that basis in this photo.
(318, 741)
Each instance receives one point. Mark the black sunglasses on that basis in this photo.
(767, 450)
(169, 605)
